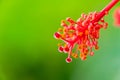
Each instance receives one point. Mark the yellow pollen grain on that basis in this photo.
(80, 33)
(96, 47)
(75, 55)
(86, 32)
(81, 55)
(62, 35)
(59, 44)
(64, 30)
(60, 29)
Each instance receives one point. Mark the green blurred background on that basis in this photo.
(28, 50)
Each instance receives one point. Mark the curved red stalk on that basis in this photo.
(105, 10)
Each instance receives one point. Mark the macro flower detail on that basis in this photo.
(80, 37)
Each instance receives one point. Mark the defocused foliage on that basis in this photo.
(28, 50)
